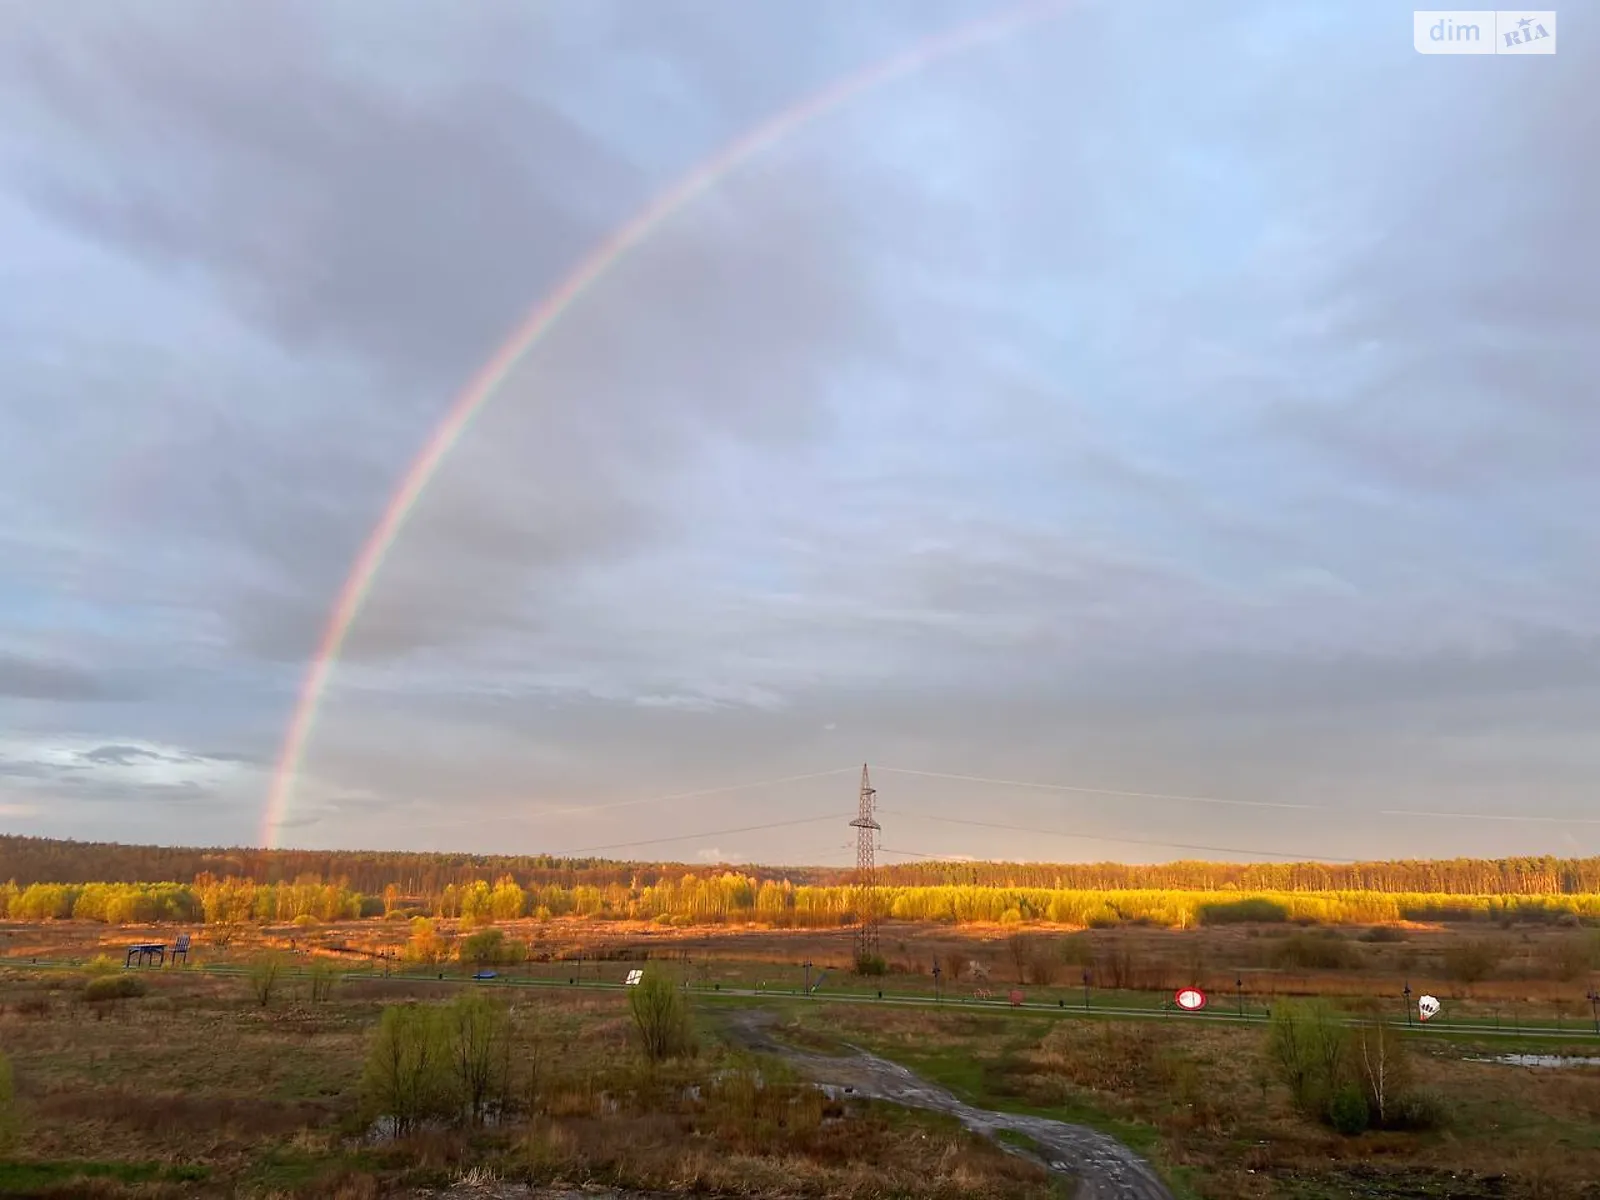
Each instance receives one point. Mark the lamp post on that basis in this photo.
(1594, 1007)
(938, 995)
(808, 976)
(1238, 984)
(1086, 990)
(1407, 995)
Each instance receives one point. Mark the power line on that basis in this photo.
(735, 787)
(1094, 791)
(1461, 816)
(689, 837)
(520, 817)
(1120, 841)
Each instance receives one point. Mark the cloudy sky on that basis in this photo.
(1195, 400)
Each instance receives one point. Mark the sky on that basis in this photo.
(1189, 401)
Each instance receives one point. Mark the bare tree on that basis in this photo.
(1021, 947)
(1381, 1061)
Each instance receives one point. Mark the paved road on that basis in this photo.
(1102, 1167)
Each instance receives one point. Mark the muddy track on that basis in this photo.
(1102, 1167)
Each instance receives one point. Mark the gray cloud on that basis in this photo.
(27, 678)
(1174, 422)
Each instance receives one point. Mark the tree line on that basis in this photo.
(728, 897)
(29, 860)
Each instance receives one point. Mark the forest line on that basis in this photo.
(29, 860)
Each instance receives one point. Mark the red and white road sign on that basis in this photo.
(1190, 998)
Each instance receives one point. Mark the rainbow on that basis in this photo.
(701, 179)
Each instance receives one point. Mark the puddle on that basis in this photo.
(1542, 1060)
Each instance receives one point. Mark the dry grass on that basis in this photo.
(1202, 1098)
(264, 1100)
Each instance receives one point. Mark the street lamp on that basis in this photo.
(1594, 1007)
(808, 976)
(1407, 994)
(938, 996)
(1086, 990)
(1238, 984)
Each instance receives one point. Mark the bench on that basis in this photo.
(145, 951)
(140, 953)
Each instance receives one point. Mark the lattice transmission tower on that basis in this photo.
(866, 827)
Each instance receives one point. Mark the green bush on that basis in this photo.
(871, 964)
(407, 1078)
(112, 987)
(478, 1032)
(1239, 912)
(1420, 1110)
(661, 1016)
(1347, 1111)
(485, 948)
(1308, 1046)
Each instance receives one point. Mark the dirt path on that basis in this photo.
(1103, 1167)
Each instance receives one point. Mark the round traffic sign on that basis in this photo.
(1190, 998)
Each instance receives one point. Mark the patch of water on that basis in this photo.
(1542, 1060)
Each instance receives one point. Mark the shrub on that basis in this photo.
(1420, 1110)
(10, 1123)
(1076, 950)
(660, 1016)
(406, 1078)
(1308, 1045)
(871, 964)
(478, 1031)
(323, 976)
(1238, 912)
(1384, 933)
(1042, 969)
(425, 944)
(485, 948)
(1310, 952)
(1472, 961)
(1347, 1111)
(112, 987)
(1574, 956)
(265, 974)
(101, 964)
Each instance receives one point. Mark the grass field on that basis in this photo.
(196, 1088)
(1524, 974)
